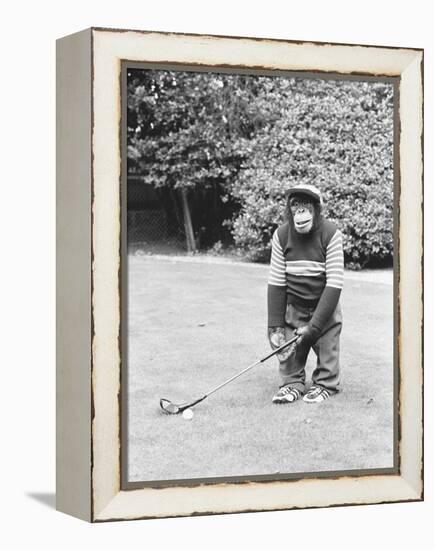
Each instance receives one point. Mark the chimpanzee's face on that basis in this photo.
(303, 213)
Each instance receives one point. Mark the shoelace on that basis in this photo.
(287, 389)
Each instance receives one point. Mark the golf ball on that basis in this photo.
(187, 414)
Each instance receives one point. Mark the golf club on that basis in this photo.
(173, 408)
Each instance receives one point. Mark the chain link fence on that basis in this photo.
(154, 221)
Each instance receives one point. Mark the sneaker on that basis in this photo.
(316, 394)
(286, 394)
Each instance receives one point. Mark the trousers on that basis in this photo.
(327, 371)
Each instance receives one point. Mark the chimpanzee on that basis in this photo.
(304, 287)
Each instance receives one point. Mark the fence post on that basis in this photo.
(191, 243)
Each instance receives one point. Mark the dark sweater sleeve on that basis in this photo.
(326, 306)
(332, 291)
(276, 295)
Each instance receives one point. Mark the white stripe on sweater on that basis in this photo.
(335, 261)
(306, 269)
(333, 266)
(277, 275)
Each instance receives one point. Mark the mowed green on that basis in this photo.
(193, 324)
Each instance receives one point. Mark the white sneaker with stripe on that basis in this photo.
(316, 394)
(286, 394)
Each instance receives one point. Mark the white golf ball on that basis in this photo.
(187, 414)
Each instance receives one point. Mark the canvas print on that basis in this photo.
(259, 299)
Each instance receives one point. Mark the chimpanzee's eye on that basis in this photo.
(299, 203)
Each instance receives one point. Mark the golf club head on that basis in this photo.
(169, 407)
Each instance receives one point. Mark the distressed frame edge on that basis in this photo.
(113, 510)
(253, 38)
(411, 281)
(73, 294)
(412, 491)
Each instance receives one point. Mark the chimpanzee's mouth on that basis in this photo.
(303, 222)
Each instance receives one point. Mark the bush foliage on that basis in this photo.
(254, 136)
(337, 135)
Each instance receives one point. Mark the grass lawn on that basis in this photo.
(193, 324)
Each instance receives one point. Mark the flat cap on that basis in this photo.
(305, 189)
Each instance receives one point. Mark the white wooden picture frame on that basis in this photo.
(89, 381)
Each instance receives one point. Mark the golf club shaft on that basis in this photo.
(283, 346)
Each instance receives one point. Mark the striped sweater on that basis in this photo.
(306, 270)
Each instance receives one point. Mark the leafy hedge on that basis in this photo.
(247, 138)
(337, 135)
